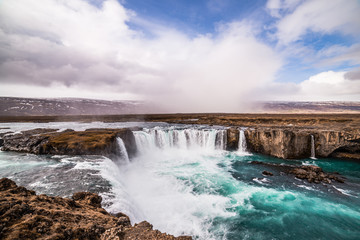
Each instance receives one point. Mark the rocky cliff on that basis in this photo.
(295, 143)
(69, 142)
(25, 215)
(281, 141)
(232, 139)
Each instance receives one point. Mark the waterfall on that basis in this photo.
(164, 138)
(221, 140)
(312, 147)
(122, 150)
(242, 143)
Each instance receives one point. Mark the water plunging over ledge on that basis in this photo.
(242, 147)
(312, 156)
(164, 138)
(124, 157)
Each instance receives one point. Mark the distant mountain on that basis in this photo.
(311, 107)
(10, 106)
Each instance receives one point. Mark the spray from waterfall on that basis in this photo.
(122, 150)
(312, 156)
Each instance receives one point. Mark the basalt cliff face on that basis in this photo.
(292, 143)
(25, 215)
(278, 135)
(232, 139)
(70, 142)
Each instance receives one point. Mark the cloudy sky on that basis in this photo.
(203, 55)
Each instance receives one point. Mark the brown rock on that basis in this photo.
(25, 215)
(266, 173)
(69, 142)
(311, 173)
(143, 230)
(314, 174)
(281, 143)
(124, 221)
(232, 141)
(295, 143)
(91, 199)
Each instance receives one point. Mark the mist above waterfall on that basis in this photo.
(177, 72)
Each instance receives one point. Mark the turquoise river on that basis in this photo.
(183, 181)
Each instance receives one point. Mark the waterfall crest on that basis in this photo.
(163, 138)
(122, 150)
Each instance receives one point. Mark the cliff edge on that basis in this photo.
(296, 143)
(69, 142)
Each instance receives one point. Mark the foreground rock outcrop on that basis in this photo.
(295, 143)
(25, 215)
(70, 142)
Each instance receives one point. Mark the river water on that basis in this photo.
(183, 181)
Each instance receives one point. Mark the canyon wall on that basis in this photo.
(280, 142)
(292, 143)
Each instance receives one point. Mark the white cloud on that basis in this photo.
(278, 7)
(353, 75)
(79, 46)
(324, 86)
(338, 54)
(330, 86)
(321, 16)
(58, 90)
(72, 48)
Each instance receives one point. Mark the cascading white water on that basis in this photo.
(122, 150)
(312, 147)
(209, 139)
(158, 185)
(221, 140)
(242, 148)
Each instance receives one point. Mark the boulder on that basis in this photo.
(267, 173)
